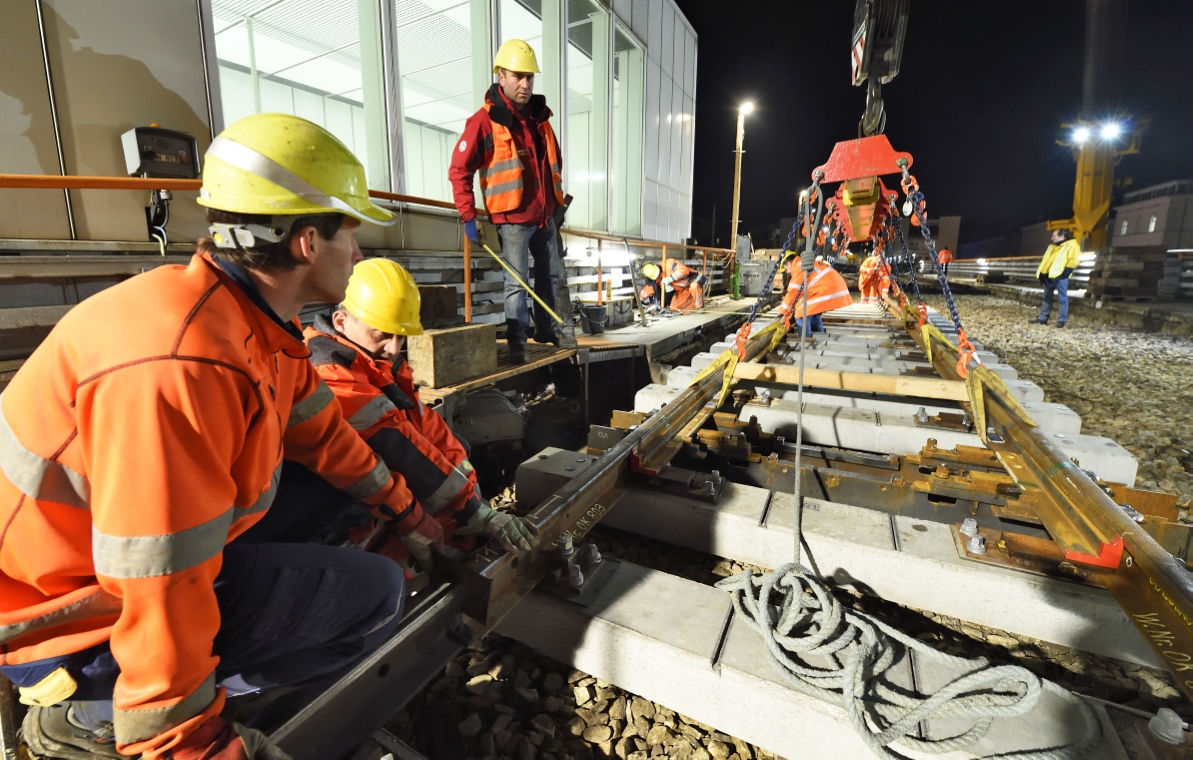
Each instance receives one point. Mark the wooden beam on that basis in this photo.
(898, 385)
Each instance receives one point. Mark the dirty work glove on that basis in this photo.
(219, 740)
(509, 531)
(475, 234)
(425, 534)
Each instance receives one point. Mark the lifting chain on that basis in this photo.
(917, 209)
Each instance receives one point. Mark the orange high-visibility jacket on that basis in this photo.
(826, 290)
(142, 435)
(882, 276)
(381, 403)
(867, 273)
(944, 256)
(501, 175)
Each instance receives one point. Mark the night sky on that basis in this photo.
(979, 100)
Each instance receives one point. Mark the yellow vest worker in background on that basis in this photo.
(1061, 258)
(509, 141)
(143, 489)
(357, 351)
(826, 291)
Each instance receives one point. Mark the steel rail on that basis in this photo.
(1152, 586)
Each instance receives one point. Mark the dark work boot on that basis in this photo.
(51, 734)
(515, 336)
(546, 335)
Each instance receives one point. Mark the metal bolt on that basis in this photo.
(592, 555)
(1167, 726)
(765, 396)
(565, 546)
(716, 476)
(581, 459)
(1132, 513)
(921, 415)
(969, 526)
(570, 467)
(575, 575)
(710, 488)
(977, 545)
(1068, 567)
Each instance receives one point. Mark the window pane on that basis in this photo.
(445, 67)
(625, 171)
(588, 94)
(304, 57)
(1151, 225)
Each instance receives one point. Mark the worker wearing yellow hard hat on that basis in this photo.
(180, 393)
(357, 351)
(512, 146)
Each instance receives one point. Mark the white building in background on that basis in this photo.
(396, 79)
(1161, 215)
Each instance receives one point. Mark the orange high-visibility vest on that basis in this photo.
(826, 291)
(501, 176)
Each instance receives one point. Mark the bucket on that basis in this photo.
(593, 318)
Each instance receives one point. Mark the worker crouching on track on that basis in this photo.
(826, 291)
(509, 141)
(1061, 258)
(141, 578)
(675, 286)
(357, 352)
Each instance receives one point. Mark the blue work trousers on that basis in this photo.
(1062, 291)
(815, 325)
(520, 242)
(289, 612)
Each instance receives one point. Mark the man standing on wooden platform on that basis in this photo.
(509, 141)
(1059, 261)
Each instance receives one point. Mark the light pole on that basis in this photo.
(745, 110)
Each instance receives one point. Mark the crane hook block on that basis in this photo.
(863, 157)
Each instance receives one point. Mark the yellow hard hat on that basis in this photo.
(280, 165)
(383, 295)
(650, 270)
(516, 55)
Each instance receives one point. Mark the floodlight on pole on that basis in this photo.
(747, 108)
(1110, 130)
(742, 111)
(1080, 135)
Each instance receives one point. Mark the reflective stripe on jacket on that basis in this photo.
(1058, 258)
(142, 435)
(382, 404)
(826, 290)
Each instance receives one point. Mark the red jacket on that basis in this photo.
(381, 403)
(141, 436)
(476, 143)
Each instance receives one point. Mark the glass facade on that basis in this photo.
(318, 60)
(396, 80)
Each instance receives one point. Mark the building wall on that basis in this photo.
(1035, 239)
(1164, 221)
(116, 64)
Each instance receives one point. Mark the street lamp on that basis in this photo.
(1110, 130)
(742, 112)
(1080, 135)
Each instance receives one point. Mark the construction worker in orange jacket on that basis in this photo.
(142, 444)
(686, 286)
(867, 278)
(509, 142)
(826, 291)
(945, 257)
(357, 352)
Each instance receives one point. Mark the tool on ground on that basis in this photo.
(522, 283)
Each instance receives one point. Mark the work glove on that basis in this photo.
(474, 232)
(419, 540)
(667, 281)
(1043, 277)
(509, 531)
(1065, 274)
(219, 740)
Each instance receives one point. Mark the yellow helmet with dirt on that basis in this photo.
(384, 296)
(276, 164)
(516, 55)
(650, 270)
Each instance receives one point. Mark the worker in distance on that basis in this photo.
(1060, 259)
(674, 286)
(147, 567)
(512, 146)
(357, 350)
